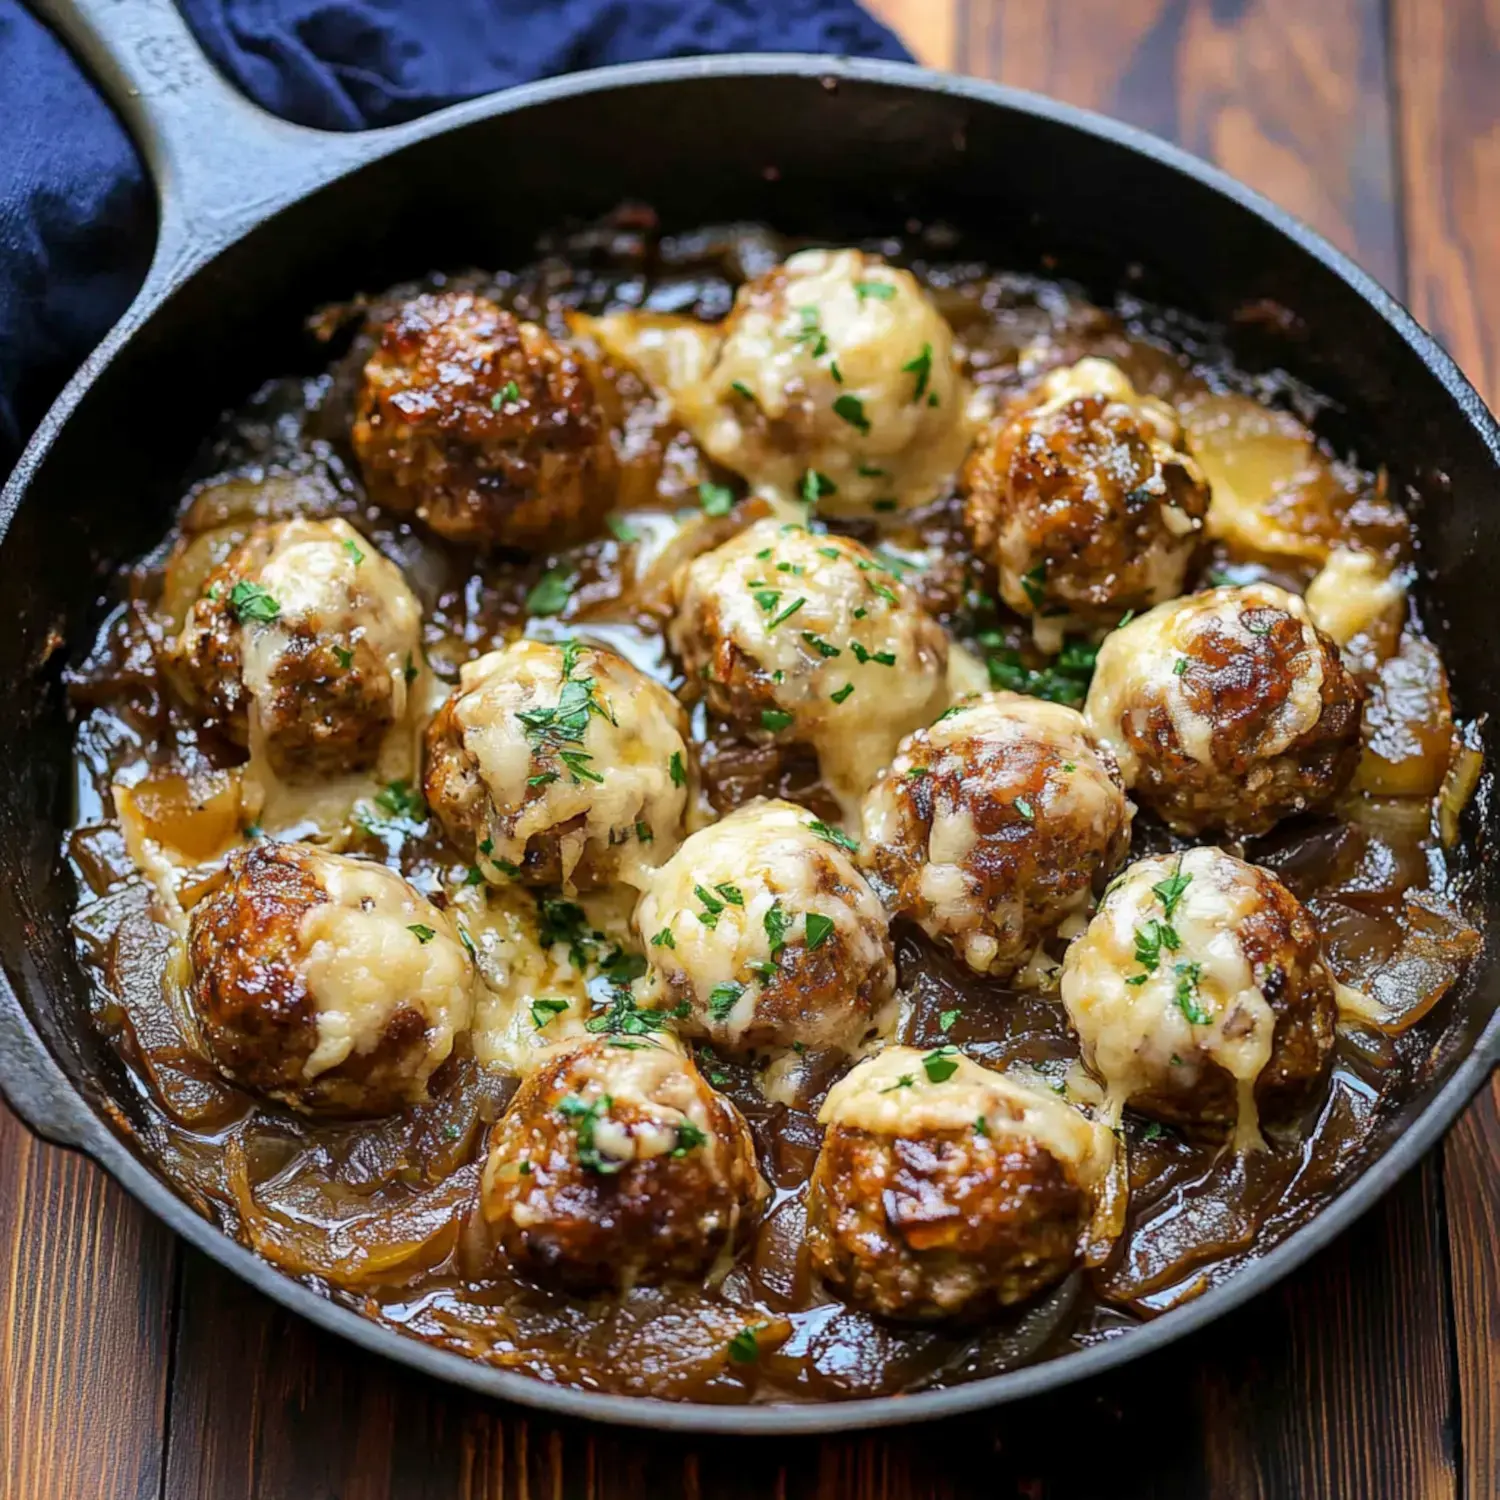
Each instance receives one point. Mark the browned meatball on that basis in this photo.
(483, 425)
(762, 931)
(326, 982)
(1084, 499)
(1200, 995)
(1229, 709)
(945, 1190)
(616, 1165)
(994, 825)
(309, 623)
(560, 764)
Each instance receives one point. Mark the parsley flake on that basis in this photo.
(545, 1008)
(921, 367)
(353, 549)
(716, 499)
(940, 1064)
(834, 835)
(423, 933)
(775, 719)
(550, 594)
(250, 601)
(852, 410)
(818, 927)
(723, 998)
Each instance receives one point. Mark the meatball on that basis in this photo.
(559, 764)
(1200, 995)
(994, 825)
(808, 639)
(303, 644)
(616, 1165)
(945, 1190)
(760, 932)
(483, 425)
(325, 982)
(836, 381)
(1229, 709)
(1084, 498)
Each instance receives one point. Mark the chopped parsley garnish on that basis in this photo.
(1152, 1132)
(744, 1347)
(832, 553)
(777, 925)
(678, 769)
(816, 485)
(664, 939)
(852, 410)
(921, 367)
(884, 658)
(838, 374)
(253, 831)
(550, 594)
(1025, 809)
(545, 1008)
(1065, 681)
(787, 613)
(723, 998)
(1169, 891)
(623, 1017)
(940, 1064)
(344, 658)
(621, 529)
(1253, 620)
(643, 831)
(689, 1138)
(1033, 585)
(564, 724)
(510, 391)
(716, 499)
(740, 388)
(872, 471)
(731, 893)
(711, 903)
(574, 761)
(824, 648)
(834, 835)
(250, 601)
(423, 933)
(882, 291)
(842, 693)
(410, 671)
(905, 1081)
(775, 719)
(947, 1018)
(916, 773)
(1188, 975)
(1180, 666)
(1152, 940)
(353, 549)
(818, 928)
(980, 1127)
(810, 332)
(542, 778)
(475, 876)
(401, 800)
(585, 1117)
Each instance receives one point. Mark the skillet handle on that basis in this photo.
(220, 163)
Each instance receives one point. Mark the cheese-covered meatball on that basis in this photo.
(808, 639)
(325, 982)
(1229, 709)
(836, 380)
(1200, 995)
(1084, 498)
(765, 932)
(305, 643)
(946, 1190)
(559, 764)
(616, 1165)
(994, 825)
(484, 426)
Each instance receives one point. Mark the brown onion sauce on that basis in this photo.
(374, 1213)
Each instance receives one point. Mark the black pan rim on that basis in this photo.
(110, 1150)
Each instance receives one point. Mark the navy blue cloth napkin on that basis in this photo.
(76, 215)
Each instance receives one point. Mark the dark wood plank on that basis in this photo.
(1448, 91)
(1290, 96)
(85, 1312)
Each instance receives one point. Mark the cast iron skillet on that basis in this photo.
(260, 221)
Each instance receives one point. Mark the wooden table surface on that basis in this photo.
(132, 1368)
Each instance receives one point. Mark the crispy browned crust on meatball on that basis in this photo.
(456, 792)
(661, 1218)
(254, 1012)
(1281, 942)
(1074, 499)
(951, 1225)
(483, 425)
(1039, 858)
(332, 697)
(1241, 689)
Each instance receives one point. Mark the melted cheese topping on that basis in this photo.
(852, 357)
(1357, 594)
(1146, 1028)
(1137, 673)
(856, 627)
(326, 576)
(768, 854)
(616, 780)
(891, 1094)
(1085, 798)
(373, 948)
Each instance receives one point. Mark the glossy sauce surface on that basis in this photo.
(377, 1213)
